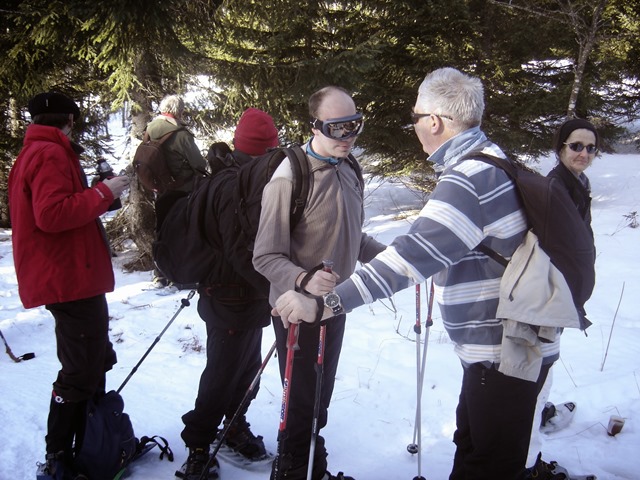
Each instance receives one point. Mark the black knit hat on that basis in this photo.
(569, 126)
(52, 102)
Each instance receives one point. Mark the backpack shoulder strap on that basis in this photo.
(501, 163)
(510, 169)
(300, 167)
(356, 168)
(147, 443)
(163, 138)
(491, 253)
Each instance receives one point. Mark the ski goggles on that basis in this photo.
(340, 128)
(578, 147)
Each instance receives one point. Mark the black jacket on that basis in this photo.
(580, 192)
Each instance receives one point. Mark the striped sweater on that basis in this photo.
(473, 202)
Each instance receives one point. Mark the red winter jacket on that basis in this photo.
(60, 251)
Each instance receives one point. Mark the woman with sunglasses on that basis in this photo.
(576, 143)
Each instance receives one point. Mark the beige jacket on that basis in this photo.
(330, 228)
(533, 292)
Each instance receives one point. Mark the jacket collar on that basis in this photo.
(456, 146)
(46, 133)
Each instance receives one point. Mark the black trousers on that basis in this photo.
(233, 360)
(493, 420)
(86, 354)
(296, 441)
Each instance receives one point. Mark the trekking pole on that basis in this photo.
(429, 323)
(419, 382)
(413, 447)
(427, 328)
(236, 414)
(606, 352)
(292, 346)
(26, 356)
(183, 303)
(416, 447)
(327, 267)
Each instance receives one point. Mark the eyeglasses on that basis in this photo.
(340, 128)
(417, 116)
(578, 147)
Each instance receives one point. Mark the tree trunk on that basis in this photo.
(14, 129)
(586, 37)
(140, 211)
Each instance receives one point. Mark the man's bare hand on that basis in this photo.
(295, 307)
(117, 185)
(322, 282)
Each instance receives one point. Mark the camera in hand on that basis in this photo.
(105, 171)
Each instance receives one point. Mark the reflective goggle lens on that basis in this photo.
(578, 147)
(340, 128)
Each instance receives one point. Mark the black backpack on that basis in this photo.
(251, 180)
(554, 219)
(187, 249)
(109, 444)
(150, 164)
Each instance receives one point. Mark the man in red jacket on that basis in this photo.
(63, 261)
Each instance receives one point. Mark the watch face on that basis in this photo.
(331, 300)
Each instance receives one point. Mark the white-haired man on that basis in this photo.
(472, 203)
(183, 155)
(184, 159)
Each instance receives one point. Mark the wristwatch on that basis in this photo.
(332, 301)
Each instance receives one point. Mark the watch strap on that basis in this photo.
(336, 310)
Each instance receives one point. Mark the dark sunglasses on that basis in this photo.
(417, 116)
(340, 128)
(578, 147)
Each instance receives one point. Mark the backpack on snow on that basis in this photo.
(557, 229)
(109, 444)
(150, 164)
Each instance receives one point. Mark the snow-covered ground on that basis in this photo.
(372, 415)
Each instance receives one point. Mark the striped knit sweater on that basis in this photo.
(473, 202)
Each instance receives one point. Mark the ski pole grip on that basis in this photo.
(307, 277)
(292, 337)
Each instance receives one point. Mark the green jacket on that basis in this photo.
(183, 155)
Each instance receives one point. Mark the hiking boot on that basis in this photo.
(548, 412)
(160, 282)
(299, 471)
(547, 471)
(240, 439)
(340, 476)
(52, 468)
(196, 462)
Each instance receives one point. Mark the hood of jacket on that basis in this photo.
(457, 146)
